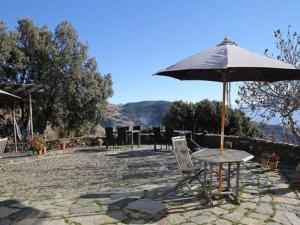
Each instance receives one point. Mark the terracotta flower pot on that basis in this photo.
(44, 150)
(99, 142)
(62, 146)
(273, 165)
(40, 152)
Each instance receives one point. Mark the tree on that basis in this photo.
(75, 93)
(279, 98)
(206, 116)
(180, 115)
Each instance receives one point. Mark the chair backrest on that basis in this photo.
(109, 133)
(122, 134)
(157, 133)
(192, 145)
(2, 146)
(136, 127)
(181, 151)
(169, 133)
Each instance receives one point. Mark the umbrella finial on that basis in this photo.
(226, 41)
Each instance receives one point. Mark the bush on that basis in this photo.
(206, 116)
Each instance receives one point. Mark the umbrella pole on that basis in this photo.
(223, 119)
(222, 134)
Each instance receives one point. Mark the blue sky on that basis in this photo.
(132, 39)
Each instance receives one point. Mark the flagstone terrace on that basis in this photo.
(124, 186)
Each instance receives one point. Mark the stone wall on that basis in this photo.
(287, 152)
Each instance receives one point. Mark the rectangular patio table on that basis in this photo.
(230, 156)
(182, 132)
(131, 132)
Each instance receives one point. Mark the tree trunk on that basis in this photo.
(294, 128)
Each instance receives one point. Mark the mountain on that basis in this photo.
(145, 113)
(277, 133)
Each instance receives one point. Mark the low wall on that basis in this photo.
(287, 152)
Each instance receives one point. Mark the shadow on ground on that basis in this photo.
(148, 206)
(12, 211)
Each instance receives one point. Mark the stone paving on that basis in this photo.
(89, 186)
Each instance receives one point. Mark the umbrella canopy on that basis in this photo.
(227, 63)
(7, 97)
(235, 63)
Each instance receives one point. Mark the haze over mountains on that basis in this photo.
(145, 113)
(151, 113)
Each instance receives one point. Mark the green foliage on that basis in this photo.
(206, 116)
(75, 92)
(180, 115)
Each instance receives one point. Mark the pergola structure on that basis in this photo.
(24, 91)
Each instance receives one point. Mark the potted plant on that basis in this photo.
(62, 143)
(42, 144)
(38, 147)
(31, 151)
(273, 161)
(228, 144)
(265, 159)
(99, 142)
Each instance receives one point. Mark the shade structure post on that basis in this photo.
(15, 130)
(30, 116)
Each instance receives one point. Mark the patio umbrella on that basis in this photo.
(7, 97)
(228, 62)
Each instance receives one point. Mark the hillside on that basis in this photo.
(145, 113)
(277, 132)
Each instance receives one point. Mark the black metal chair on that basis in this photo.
(158, 138)
(192, 145)
(122, 136)
(136, 135)
(109, 137)
(169, 135)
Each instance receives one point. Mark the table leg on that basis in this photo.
(204, 176)
(228, 176)
(210, 184)
(237, 188)
(220, 177)
(131, 140)
(139, 142)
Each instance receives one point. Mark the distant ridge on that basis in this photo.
(145, 113)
